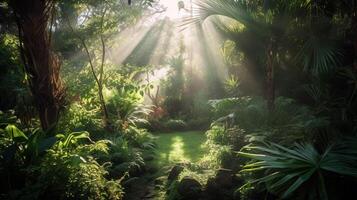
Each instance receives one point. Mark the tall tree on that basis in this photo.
(34, 20)
(266, 27)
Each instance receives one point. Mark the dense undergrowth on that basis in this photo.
(85, 85)
(270, 155)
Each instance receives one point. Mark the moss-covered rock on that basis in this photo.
(189, 188)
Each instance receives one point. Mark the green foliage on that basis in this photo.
(12, 78)
(23, 148)
(318, 55)
(126, 151)
(123, 95)
(218, 156)
(139, 138)
(177, 125)
(234, 136)
(288, 169)
(174, 86)
(231, 85)
(221, 143)
(55, 167)
(82, 116)
(287, 123)
(126, 104)
(70, 168)
(125, 158)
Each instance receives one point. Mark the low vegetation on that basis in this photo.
(178, 100)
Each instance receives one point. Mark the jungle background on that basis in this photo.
(165, 99)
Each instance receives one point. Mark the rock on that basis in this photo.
(238, 180)
(236, 194)
(189, 188)
(220, 186)
(224, 178)
(175, 172)
(211, 185)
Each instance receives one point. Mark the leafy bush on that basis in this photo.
(175, 125)
(139, 138)
(234, 136)
(125, 105)
(125, 158)
(287, 123)
(173, 106)
(201, 123)
(55, 168)
(127, 151)
(221, 143)
(70, 171)
(82, 116)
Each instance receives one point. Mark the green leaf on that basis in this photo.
(15, 134)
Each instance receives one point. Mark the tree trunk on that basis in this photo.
(354, 38)
(270, 86)
(42, 66)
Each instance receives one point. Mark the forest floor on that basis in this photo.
(172, 148)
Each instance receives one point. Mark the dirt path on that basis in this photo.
(172, 148)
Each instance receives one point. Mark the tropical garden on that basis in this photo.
(178, 99)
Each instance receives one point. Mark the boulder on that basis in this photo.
(189, 188)
(175, 172)
(224, 178)
(222, 185)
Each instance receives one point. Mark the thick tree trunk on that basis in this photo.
(354, 38)
(42, 66)
(270, 86)
(355, 55)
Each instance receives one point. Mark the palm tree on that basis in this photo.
(271, 26)
(264, 26)
(42, 66)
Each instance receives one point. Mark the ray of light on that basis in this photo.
(214, 46)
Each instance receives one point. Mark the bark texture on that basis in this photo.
(42, 66)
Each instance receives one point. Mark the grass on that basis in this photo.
(179, 147)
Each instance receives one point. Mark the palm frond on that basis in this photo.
(228, 8)
(319, 56)
(290, 168)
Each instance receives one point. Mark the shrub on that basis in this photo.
(70, 171)
(202, 123)
(65, 168)
(139, 138)
(82, 116)
(175, 125)
(287, 123)
(234, 136)
(76, 178)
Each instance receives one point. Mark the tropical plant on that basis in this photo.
(69, 170)
(289, 169)
(21, 148)
(268, 26)
(231, 85)
(125, 104)
(288, 122)
(124, 157)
